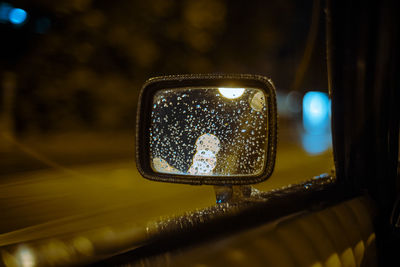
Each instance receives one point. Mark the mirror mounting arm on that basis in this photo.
(236, 193)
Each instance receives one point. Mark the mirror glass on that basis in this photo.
(209, 131)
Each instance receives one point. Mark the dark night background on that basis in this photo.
(78, 65)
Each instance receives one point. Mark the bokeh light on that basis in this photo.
(231, 93)
(4, 11)
(316, 121)
(17, 16)
(316, 112)
(258, 101)
(25, 256)
(293, 102)
(315, 144)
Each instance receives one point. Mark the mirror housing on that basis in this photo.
(223, 133)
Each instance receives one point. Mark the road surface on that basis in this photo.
(104, 204)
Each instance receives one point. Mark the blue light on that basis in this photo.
(4, 11)
(17, 16)
(316, 121)
(316, 112)
(315, 144)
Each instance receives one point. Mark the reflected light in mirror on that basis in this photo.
(231, 93)
(258, 101)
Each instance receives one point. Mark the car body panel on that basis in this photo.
(339, 235)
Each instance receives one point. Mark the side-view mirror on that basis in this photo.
(207, 129)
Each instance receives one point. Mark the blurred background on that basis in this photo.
(70, 74)
(77, 66)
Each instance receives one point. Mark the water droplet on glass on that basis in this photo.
(225, 147)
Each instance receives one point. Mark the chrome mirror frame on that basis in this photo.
(143, 123)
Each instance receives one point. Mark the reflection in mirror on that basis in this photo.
(209, 131)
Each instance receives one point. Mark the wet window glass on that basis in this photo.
(209, 131)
